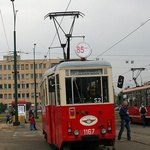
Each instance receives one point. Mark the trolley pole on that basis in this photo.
(15, 67)
(35, 98)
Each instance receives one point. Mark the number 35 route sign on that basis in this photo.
(83, 50)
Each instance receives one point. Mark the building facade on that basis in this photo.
(25, 78)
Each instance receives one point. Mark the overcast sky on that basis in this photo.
(105, 23)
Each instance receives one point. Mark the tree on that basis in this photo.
(3, 107)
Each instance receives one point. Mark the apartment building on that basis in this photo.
(25, 78)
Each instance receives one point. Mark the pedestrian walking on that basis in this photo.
(125, 121)
(8, 118)
(143, 112)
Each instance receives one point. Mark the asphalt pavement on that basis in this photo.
(21, 138)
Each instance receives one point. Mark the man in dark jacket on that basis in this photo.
(125, 121)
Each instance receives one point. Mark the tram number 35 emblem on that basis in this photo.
(88, 131)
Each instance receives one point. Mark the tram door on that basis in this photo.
(52, 102)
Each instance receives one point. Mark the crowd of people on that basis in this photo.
(11, 112)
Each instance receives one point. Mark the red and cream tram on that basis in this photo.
(135, 97)
(78, 104)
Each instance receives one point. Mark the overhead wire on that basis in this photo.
(4, 30)
(123, 38)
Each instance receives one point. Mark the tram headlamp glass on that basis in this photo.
(76, 132)
(103, 130)
(109, 128)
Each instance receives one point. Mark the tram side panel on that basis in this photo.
(84, 123)
(135, 115)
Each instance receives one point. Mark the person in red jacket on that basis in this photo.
(31, 122)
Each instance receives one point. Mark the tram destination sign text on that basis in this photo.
(86, 72)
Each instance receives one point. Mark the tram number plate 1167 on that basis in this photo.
(88, 131)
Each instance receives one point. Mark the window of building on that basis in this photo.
(22, 66)
(18, 67)
(9, 96)
(32, 85)
(27, 85)
(27, 76)
(36, 76)
(40, 66)
(32, 95)
(23, 86)
(18, 86)
(1, 76)
(31, 66)
(18, 76)
(40, 75)
(27, 66)
(27, 95)
(9, 67)
(9, 76)
(5, 76)
(1, 86)
(22, 76)
(0, 67)
(5, 68)
(44, 66)
(5, 96)
(23, 95)
(9, 86)
(19, 95)
(31, 75)
(1, 95)
(5, 86)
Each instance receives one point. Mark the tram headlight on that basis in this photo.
(103, 131)
(109, 129)
(76, 132)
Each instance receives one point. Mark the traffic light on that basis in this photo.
(120, 81)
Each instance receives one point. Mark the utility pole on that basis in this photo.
(16, 123)
(35, 98)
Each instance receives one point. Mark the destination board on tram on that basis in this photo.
(86, 72)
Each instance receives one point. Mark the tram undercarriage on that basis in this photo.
(92, 145)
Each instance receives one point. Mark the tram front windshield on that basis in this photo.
(87, 90)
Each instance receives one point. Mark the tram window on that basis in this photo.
(58, 90)
(87, 90)
(51, 85)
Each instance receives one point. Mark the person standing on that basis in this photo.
(143, 112)
(32, 113)
(8, 118)
(125, 121)
(31, 122)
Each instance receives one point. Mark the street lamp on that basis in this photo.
(35, 98)
(15, 67)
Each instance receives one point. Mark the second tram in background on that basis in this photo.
(135, 97)
(78, 104)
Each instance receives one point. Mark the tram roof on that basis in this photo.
(77, 64)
